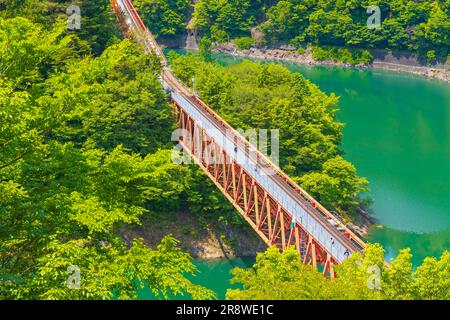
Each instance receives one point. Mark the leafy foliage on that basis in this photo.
(243, 42)
(224, 18)
(83, 150)
(417, 26)
(164, 17)
(351, 56)
(110, 270)
(277, 276)
(98, 25)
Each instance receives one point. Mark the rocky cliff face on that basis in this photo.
(206, 242)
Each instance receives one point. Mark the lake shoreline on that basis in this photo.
(306, 58)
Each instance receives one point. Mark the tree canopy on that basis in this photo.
(418, 26)
(84, 149)
(282, 276)
(164, 17)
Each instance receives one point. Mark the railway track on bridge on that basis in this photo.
(279, 210)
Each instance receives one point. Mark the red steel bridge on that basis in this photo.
(279, 210)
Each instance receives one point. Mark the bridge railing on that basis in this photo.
(139, 30)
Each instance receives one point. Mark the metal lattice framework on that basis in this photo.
(279, 211)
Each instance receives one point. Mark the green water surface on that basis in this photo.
(397, 134)
(214, 274)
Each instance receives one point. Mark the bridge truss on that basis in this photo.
(279, 210)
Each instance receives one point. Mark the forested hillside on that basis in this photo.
(84, 149)
(420, 26)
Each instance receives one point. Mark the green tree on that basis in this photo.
(29, 52)
(284, 20)
(364, 276)
(431, 57)
(164, 17)
(109, 270)
(82, 153)
(98, 25)
(431, 280)
(205, 48)
(232, 17)
(337, 185)
(279, 276)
